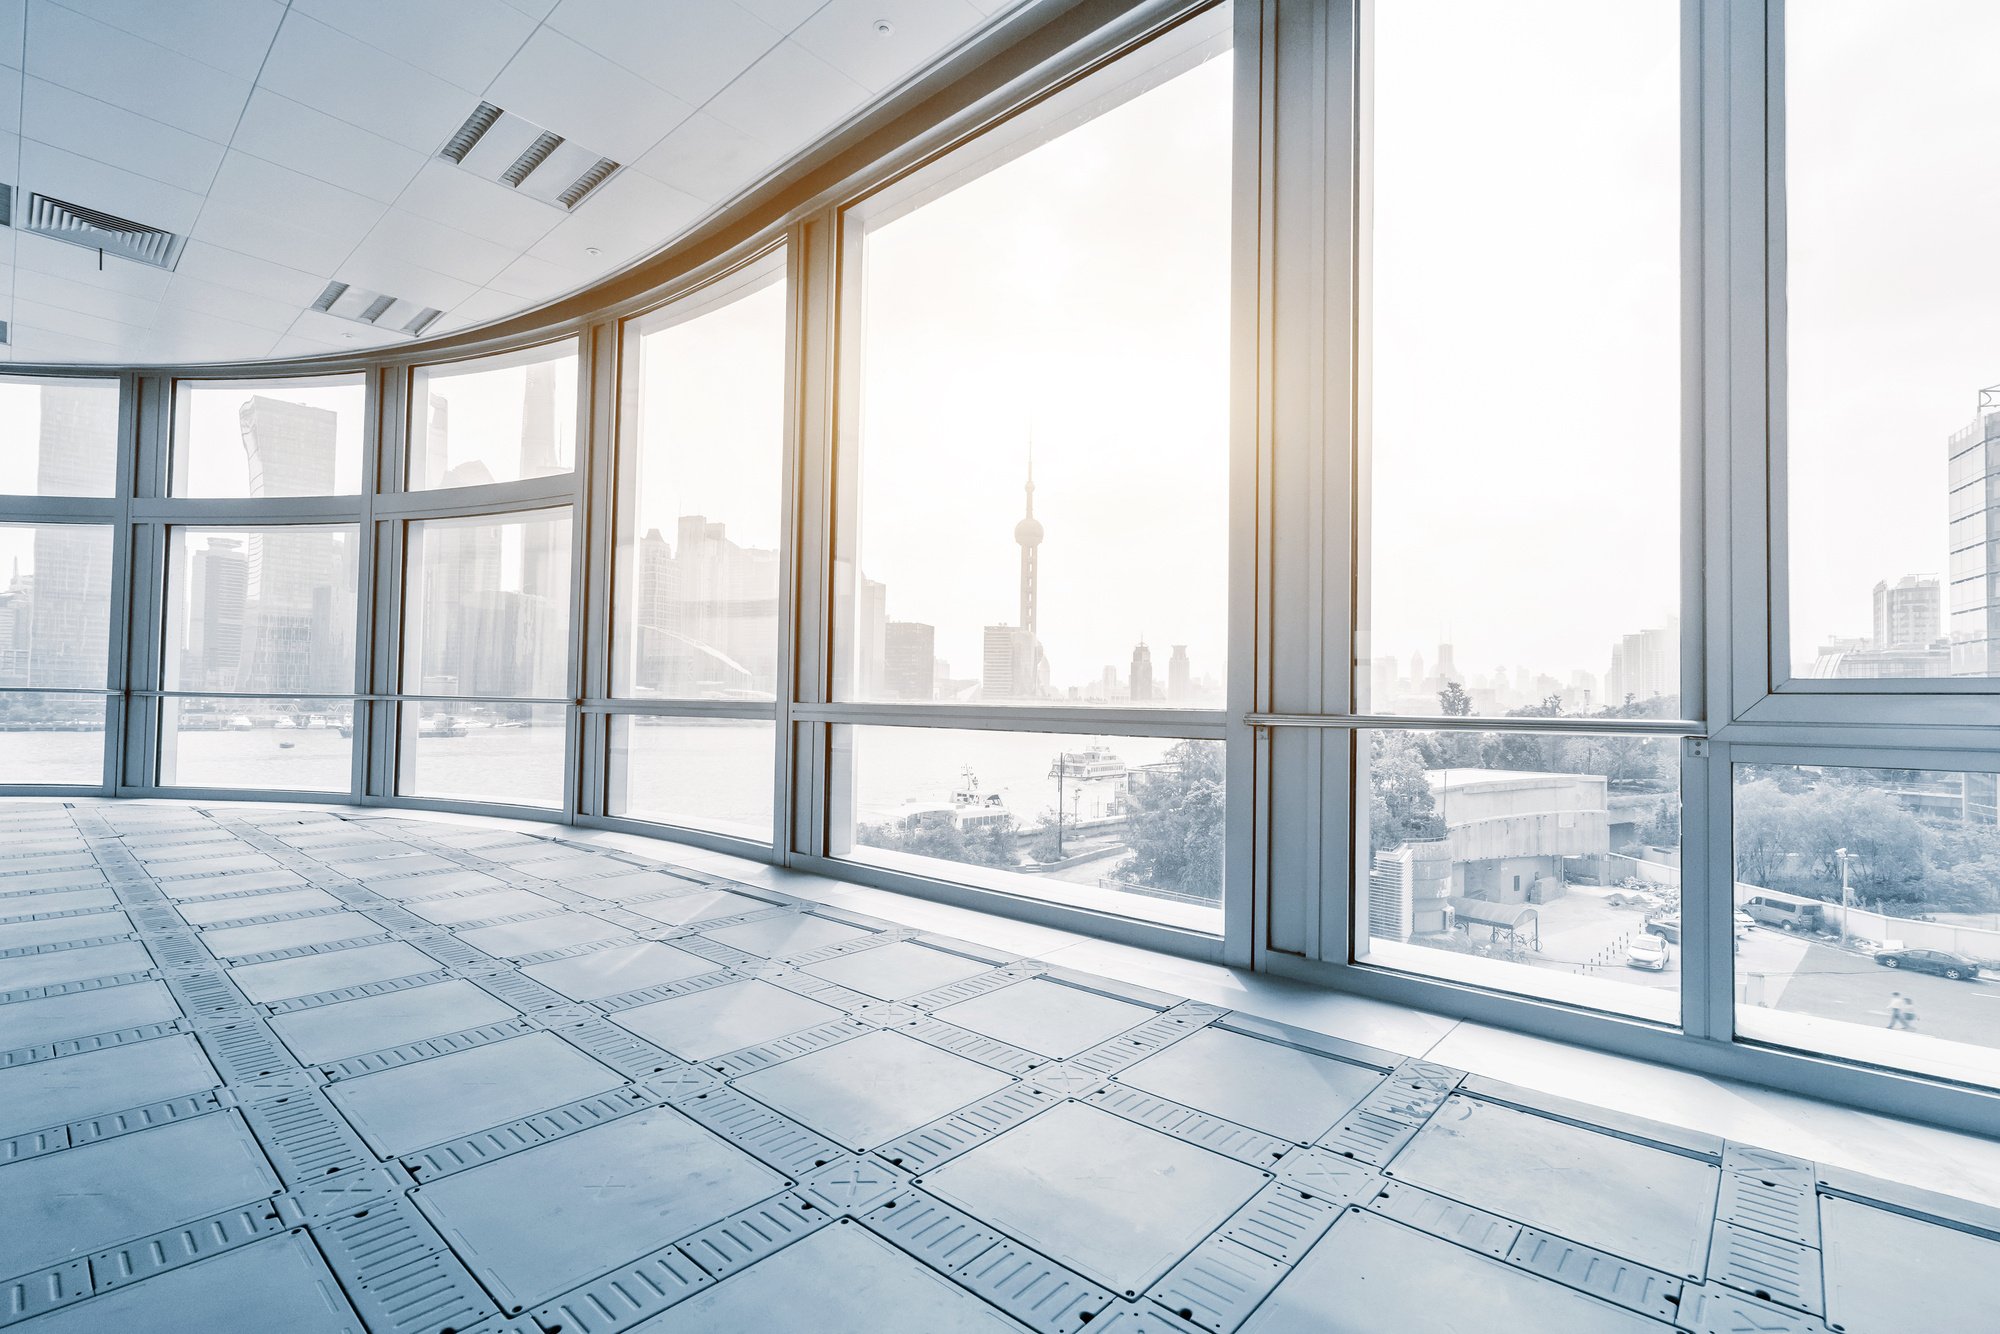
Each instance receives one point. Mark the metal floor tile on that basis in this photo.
(434, 882)
(547, 933)
(374, 1023)
(41, 970)
(1882, 1271)
(18, 935)
(278, 1284)
(621, 968)
(55, 1018)
(285, 978)
(865, 1092)
(425, 1103)
(34, 905)
(49, 1093)
(480, 907)
(839, 1280)
(233, 942)
(628, 884)
(722, 1019)
(208, 911)
(700, 906)
(1279, 1090)
(1046, 1017)
(1113, 1200)
(778, 937)
(896, 970)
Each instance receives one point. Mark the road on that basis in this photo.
(1835, 984)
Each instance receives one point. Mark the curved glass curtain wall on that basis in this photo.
(759, 559)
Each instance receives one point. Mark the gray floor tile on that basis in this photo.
(47, 1093)
(894, 971)
(414, 1106)
(1279, 1090)
(1046, 1017)
(375, 1023)
(621, 968)
(284, 978)
(867, 1091)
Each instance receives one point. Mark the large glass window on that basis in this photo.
(1546, 864)
(1121, 824)
(257, 439)
(701, 472)
(1037, 433)
(51, 738)
(272, 744)
(699, 773)
(1868, 914)
(58, 437)
(1522, 387)
(1892, 430)
(497, 419)
(484, 750)
(55, 605)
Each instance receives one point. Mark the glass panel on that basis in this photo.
(1539, 864)
(262, 610)
(505, 753)
(700, 500)
(1127, 825)
(1037, 437)
(51, 738)
(704, 773)
(268, 437)
(302, 745)
(1890, 428)
(498, 419)
(1522, 360)
(58, 437)
(1868, 914)
(488, 608)
(55, 604)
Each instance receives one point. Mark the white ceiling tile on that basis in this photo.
(336, 334)
(564, 86)
(278, 129)
(999, 6)
(10, 100)
(31, 343)
(707, 159)
(253, 184)
(207, 298)
(274, 239)
(482, 308)
(843, 34)
(114, 66)
(55, 115)
(211, 263)
(789, 97)
(75, 323)
(535, 280)
(206, 336)
(630, 215)
(466, 42)
(85, 298)
(79, 180)
(380, 268)
(13, 27)
(452, 195)
(231, 35)
(345, 77)
(432, 245)
(783, 15)
(44, 255)
(691, 48)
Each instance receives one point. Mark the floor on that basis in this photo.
(342, 1071)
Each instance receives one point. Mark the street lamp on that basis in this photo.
(1841, 853)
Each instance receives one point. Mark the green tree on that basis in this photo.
(1401, 806)
(1176, 828)
(1453, 702)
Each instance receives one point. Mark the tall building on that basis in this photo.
(871, 625)
(1645, 665)
(1012, 665)
(1028, 532)
(706, 610)
(1974, 561)
(1142, 673)
(218, 583)
(1179, 687)
(72, 574)
(541, 563)
(909, 660)
(298, 601)
(1908, 613)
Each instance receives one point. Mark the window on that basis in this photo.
(73, 427)
(486, 751)
(1037, 437)
(498, 419)
(700, 495)
(260, 439)
(699, 773)
(55, 605)
(1522, 391)
(235, 741)
(1127, 825)
(1891, 437)
(1546, 864)
(51, 738)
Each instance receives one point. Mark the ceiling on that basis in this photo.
(287, 145)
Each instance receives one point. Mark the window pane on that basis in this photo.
(58, 437)
(705, 773)
(55, 604)
(488, 610)
(1868, 913)
(1036, 498)
(700, 499)
(1547, 865)
(47, 739)
(505, 753)
(264, 610)
(1521, 414)
(498, 419)
(1127, 825)
(1892, 448)
(303, 745)
(268, 437)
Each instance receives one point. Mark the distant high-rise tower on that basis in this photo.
(1142, 673)
(540, 562)
(1908, 613)
(298, 613)
(72, 571)
(1179, 686)
(909, 667)
(1028, 532)
(1975, 616)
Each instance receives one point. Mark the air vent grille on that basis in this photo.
(475, 127)
(4, 337)
(587, 182)
(93, 230)
(538, 153)
(378, 310)
(496, 145)
(6, 205)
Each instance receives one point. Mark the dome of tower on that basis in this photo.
(1028, 532)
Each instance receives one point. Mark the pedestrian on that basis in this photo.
(1899, 1010)
(1909, 1012)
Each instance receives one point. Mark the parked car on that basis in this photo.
(1666, 927)
(1647, 951)
(1944, 964)
(1785, 914)
(1744, 921)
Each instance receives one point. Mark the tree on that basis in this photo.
(1453, 702)
(1176, 828)
(1401, 806)
(1045, 843)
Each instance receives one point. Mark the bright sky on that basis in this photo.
(485, 408)
(216, 462)
(1081, 292)
(1526, 330)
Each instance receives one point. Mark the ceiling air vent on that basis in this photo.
(86, 227)
(6, 205)
(527, 158)
(375, 309)
(4, 338)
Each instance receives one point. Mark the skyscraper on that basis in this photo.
(298, 611)
(68, 627)
(910, 660)
(1645, 665)
(1974, 561)
(539, 455)
(1028, 532)
(1015, 666)
(1142, 673)
(1179, 686)
(1908, 613)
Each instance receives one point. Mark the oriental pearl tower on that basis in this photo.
(1028, 532)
